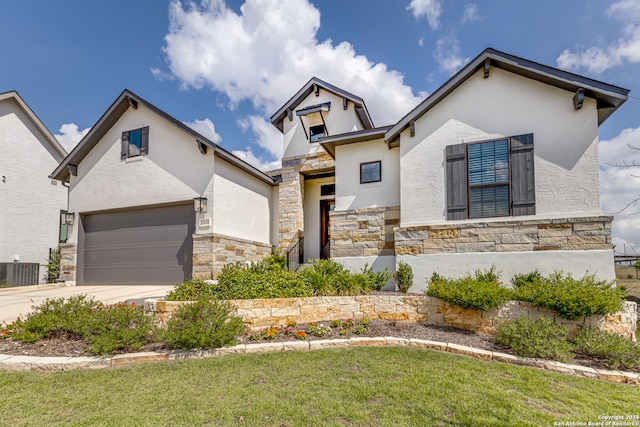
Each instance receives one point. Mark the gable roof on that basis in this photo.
(126, 100)
(329, 143)
(53, 142)
(608, 97)
(308, 88)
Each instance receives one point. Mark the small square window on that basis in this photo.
(328, 190)
(370, 172)
(135, 143)
(316, 132)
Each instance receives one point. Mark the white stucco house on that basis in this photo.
(499, 166)
(30, 202)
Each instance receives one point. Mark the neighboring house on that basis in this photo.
(30, 202)
(499, 166)
(133, 180)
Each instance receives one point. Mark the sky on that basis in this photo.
(224, 68)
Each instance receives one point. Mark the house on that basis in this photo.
(499, 166)
(156, 202)
(30, 203)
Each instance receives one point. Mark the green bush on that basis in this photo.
(191, 290)
(404, 277)
(542, 338)
(55, 316)
(619, 352)
(118, 328)
(258, 280)
(376, 280)
(322, 275)
(570, 298)
(481, 292)
(53, 266)
(203, 324)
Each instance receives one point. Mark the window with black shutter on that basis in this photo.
(490, 178)
(135, 143)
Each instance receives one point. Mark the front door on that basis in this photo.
(326, 206)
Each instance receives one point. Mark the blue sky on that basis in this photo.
(225, 68)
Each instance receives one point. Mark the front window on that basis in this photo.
(370, 172)
(135, 137)
(489, 179)
(316, 132)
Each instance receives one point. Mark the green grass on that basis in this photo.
(354, 387)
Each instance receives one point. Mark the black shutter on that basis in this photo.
(124, 150)
(523, 189)
(144, 140)
(456, 181)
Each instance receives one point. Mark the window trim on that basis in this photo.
(379, 162)
(489, 185)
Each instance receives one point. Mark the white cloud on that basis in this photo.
(205, 128)
(267, 136)
(70, 135)
(257, 162)
(470, 13)
(618, 186)
(265, 53)
(597, 59)
(447, 54)
(431, 9)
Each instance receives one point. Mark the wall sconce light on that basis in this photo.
(200, 205)
(67, 218)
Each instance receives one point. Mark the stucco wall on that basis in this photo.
(338, 121)
(241, 204)
(30, 202)
(350, 194)
(565, 144)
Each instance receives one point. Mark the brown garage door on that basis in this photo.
(146, 246)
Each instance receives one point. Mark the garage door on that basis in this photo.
(146, 246)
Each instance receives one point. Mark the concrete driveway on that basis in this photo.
(17, 301)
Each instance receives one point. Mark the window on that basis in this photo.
(328, 190)
(135, 143)
(490, 178)
(316, 132)
(370, 172)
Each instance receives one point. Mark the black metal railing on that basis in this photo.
(295, 255)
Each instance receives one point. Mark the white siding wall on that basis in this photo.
(338, 121)
(566, 152)
(241, 204)
(350, 194)
(30, 202)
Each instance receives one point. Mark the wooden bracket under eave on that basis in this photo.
(133, 103)
(578, 98)
(73, 169)
(487, 68)
(345, 103)
(290, 114)
(316, 89)
(202, 147)
(412, 128)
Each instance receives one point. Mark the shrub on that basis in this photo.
(54, 316)
(118, 327)
(258, 280)
(203, 324)
(191, 290)
(481, 292)
(53, 266)
(404, 277)
(570, 298)
(542, 338)
(277, 259)
(322, 275)
(620, 353)
(376, 280)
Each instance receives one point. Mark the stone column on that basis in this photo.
(290, 207)
(68, 262)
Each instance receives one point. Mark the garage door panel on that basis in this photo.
(139, 247)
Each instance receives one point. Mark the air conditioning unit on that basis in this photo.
(19, 273)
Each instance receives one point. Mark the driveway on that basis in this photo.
(17, 301)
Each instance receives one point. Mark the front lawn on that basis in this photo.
(356, 386)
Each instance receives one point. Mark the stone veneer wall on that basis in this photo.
(291, 193)
(410, 308)
(364, 232)
(212, 251)
(441, 313)
(68, 261)
(582, 233)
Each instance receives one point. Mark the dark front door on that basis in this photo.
(326, 206)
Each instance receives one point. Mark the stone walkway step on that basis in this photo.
(51, 364)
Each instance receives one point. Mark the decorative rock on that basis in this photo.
(432, 345)
(368, 341)
(469, 351)
(271, 347)
(127, 359)
(320, 344)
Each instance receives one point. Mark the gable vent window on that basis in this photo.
(135, 143)
(370, 172)
(317, 132)
(491, 178)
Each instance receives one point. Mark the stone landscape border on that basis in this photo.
(53, 364)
